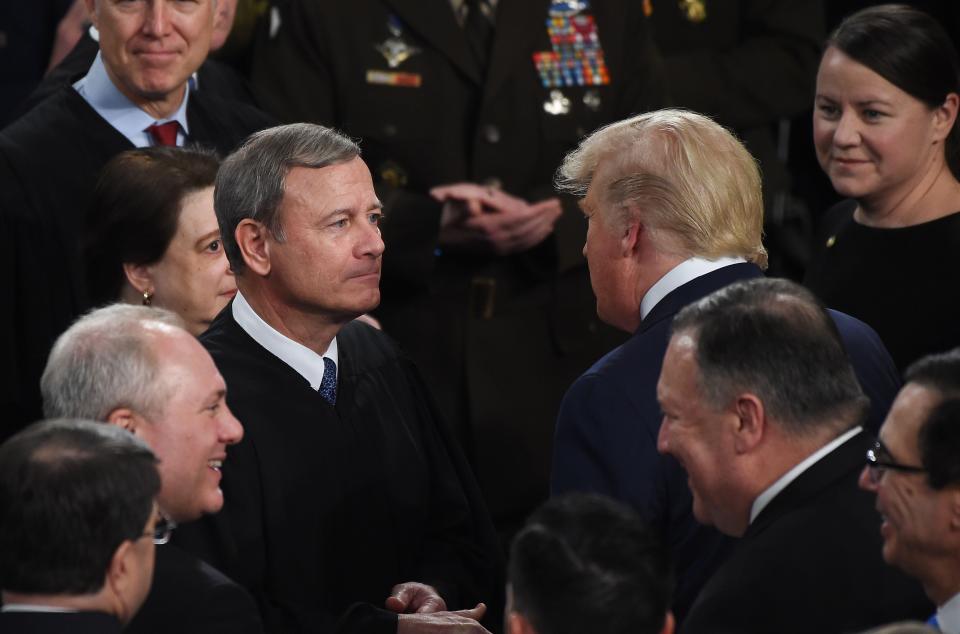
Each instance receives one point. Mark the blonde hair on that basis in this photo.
(686, 175)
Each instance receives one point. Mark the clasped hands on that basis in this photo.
(475, 217)
(422, 610)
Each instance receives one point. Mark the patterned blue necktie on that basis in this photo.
(328, 386)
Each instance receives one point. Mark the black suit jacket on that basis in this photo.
(610, 418)
(189, 596)
(49, 163)
(461, 315)
(58, 623)
(810, 562)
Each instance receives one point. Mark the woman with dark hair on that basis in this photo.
(884, 130)
(151, 235)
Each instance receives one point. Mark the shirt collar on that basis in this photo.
(948, 615)
(34, 607)
(687, 271)
(115, 108)
(771, 492)
(305, 361)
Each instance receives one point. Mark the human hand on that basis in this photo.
(476, 216)
(415, 597)
(458, 622)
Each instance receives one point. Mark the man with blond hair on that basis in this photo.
(675, 212)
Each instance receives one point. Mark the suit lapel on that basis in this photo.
(519, 26)
(845, 460)
(433, 20)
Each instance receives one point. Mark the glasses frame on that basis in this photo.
(878, 466)
(161, 530)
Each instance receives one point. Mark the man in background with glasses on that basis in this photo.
(137, 368)
(914, 469)
(762, 409)
(77, 511)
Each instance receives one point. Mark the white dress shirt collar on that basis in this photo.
(771, 492)
(115, 108)
(305, 361)
(948, 615)
(31, 607)
(687, 271)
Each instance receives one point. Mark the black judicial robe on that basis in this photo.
(329, 506)
(49, 163)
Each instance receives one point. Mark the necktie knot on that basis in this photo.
(328, 385)
(164, 133)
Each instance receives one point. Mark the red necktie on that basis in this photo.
(165, 133)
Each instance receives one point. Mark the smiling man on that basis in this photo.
(914, 469)
(762, 409)
(347, 489)
(136, 93)
(137, 368)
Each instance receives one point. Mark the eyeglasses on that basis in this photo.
(880, 460)
(161, 530)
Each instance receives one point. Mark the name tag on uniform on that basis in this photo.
(387, 78)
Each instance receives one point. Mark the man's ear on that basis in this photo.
(252, 238)
(518, 624)
(669, 624)
(750, 422)
(140, 277)
(92, 12)
(630, 240)
(954, 492)
(125, 418)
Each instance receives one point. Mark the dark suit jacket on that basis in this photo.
(189, 596)
(462, 125)
(49, 163)
(810, 562)
(327, 506)
(58, 623)
(609, 421)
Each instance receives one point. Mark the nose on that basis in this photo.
(156, 22)
(868, 479)
(848, 130)
(372, 244)
(231, 431)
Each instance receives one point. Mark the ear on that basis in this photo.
(630, 240)
(125, 418)
(140, 276)
(669, 624)
(518, 624)
(92, 12)
(118, 573)
(945, 115)
(955, 508)
(751, 422)
(252, 238)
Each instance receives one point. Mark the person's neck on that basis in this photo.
(97, 602)
(942, 580)
(161, 107)
(313, 330)
(934, 194)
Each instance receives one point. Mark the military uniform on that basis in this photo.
(498, 338)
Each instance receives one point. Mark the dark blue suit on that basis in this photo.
(606, 439)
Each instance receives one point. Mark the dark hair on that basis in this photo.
(135, 209)
(773, 338)
(909, 49)
(939, 437)
(70, 493)
(252, 180)
(584, 563)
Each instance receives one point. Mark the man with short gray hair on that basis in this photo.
(348, 492)
(762, 409)
(139, 369)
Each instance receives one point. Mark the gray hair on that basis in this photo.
(690, 177)
(105, 361)
(773, 338)
(250, 183)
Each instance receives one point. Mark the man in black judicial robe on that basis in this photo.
(347, 488)
(49, 162)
